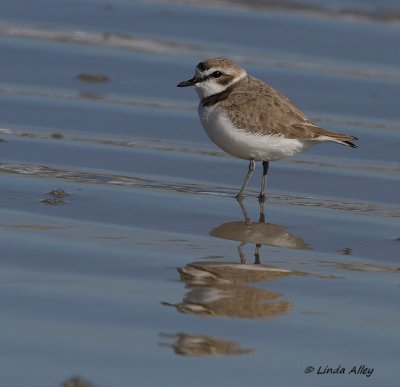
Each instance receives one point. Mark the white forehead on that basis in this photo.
(222, 69)
(206, 73)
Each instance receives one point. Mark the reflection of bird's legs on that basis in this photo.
(257, 254)
(241, 253)
(244, 211)
(262, 210)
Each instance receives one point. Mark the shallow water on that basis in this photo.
(142, 268)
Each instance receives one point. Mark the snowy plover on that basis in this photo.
(251, 120)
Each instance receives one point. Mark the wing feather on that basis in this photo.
(271, 113)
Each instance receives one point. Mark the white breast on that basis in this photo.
(242, 144)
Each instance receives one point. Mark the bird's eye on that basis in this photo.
(216, 74)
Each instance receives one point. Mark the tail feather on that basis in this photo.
(315, 133)
(344, 139)
(349, 143)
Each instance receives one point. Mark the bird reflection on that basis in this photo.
(201, 345)
(221, 288)
(77, 381)
(258, 233)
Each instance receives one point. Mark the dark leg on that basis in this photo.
(261, 219)
(257, 254)
(247, 178)
(265, 165)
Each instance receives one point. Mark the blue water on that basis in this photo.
(143, 272)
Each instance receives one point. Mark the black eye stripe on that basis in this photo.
(216, 74)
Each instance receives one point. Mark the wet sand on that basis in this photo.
(141, 268)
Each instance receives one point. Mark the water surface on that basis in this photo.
(143, 269)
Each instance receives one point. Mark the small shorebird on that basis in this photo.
(251, 120)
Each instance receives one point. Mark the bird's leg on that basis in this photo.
(257, 254)
(265, 165)
(246, 216)
(241, 253)
(261, 219)
(252, 165)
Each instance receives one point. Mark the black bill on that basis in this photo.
(189, 82)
